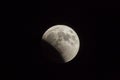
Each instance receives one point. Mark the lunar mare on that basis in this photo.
(64, 39)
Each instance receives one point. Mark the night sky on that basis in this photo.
(97, 28)
(94, 26)
(80, 19)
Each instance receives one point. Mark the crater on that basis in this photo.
(73, 37)
(66, 37)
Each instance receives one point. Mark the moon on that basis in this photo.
(64, 39)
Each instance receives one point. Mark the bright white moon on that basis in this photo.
(64, 39)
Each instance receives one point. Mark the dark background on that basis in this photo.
(94, 26)
(97, 28)
(83, 24)
(80, 19)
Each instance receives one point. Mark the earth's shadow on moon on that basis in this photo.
(50, 54)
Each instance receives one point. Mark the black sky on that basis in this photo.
(97, 28)
(82, 22)
(73, 18)
(94, 26)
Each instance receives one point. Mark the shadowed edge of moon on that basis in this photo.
(51, 54)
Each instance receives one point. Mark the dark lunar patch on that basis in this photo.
(60, 34)
(71, 43)
(73, 37)
(58, 42)
(66, 37)
(59, 39)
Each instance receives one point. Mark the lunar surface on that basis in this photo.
(64, 39)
